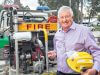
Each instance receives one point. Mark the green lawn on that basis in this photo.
(97, 28)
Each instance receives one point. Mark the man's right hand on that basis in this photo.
(51, 55)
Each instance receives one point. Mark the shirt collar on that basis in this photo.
(73, 26)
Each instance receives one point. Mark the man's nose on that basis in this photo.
(64, 19)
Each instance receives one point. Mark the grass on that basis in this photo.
(97, 28)
(50, 73)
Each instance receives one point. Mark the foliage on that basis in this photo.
(1, 8)
(95, 7)
(50, 73)
(97, 28)
(98, 17)
(55, 4)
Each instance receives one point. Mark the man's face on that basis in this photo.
(65, 19)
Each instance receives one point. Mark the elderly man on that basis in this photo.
(73, 36)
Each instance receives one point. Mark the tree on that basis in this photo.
(95, 7)
(55, 4)
(1, 8)
(17, 2)
(98, 17)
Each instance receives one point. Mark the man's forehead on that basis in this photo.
(64, 13)
(67, 11)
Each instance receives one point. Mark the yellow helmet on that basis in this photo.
(80, 60)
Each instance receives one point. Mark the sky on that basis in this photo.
(1, 1)
(31, 3)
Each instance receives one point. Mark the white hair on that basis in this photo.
(63, 8)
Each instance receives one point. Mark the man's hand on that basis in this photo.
(51, 55)
(90, 72)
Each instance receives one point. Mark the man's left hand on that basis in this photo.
(90, 72)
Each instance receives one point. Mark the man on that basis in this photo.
(71, 37)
